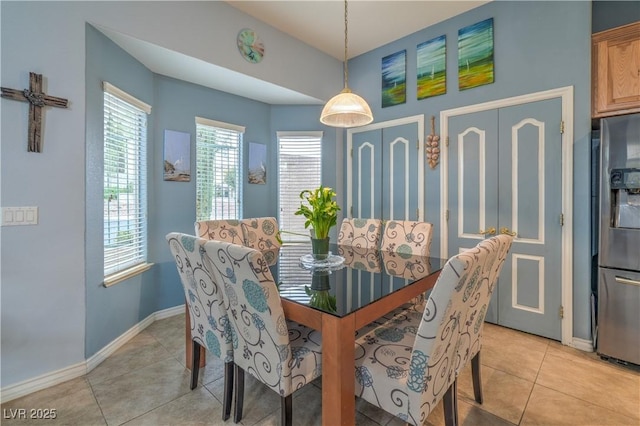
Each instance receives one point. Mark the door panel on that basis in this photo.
(400, 168)
(530, 204)
(384, 167)
(473, 204)
(366, 163)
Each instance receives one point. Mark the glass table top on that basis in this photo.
(365, 275)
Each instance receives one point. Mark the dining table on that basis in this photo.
(337, 296)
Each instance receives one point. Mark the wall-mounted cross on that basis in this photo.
(36, 100)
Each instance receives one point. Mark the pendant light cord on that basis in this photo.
(345, 66)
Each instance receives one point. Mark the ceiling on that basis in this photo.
(319, 24)
(371, 23)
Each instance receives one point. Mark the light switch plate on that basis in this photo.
(14, 216)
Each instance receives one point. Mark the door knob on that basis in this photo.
(490, 231)
(505, 230)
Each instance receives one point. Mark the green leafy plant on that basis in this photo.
(321, 299)
(322, 211)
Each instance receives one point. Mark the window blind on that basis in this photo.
(299, 168)
(125, 181)
(218, 170)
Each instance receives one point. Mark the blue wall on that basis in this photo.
(175, 104)
(537, 46)
(110, 311)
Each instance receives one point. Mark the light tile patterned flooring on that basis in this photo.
(527, 380)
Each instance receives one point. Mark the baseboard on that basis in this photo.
(582, 344)
(105, 352)
(44, 381)
(97, 358)
(53, 378)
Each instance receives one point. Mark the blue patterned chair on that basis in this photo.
(401, 240)
(471, 337)
(228, 230)
(360, 233)
(408, 363)
(261, 233)
(407, 237)
(210, 326)
(283, 355)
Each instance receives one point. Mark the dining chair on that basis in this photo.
(282, 354)
(361, 233)
(472, 339)
(407, 237)
(228, 230)
(410, 362)
(210, 326)
(261, 233)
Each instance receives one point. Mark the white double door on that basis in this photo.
(505, 176)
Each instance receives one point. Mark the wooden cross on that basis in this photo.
(36, 100)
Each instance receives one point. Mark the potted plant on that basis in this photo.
(322, 214)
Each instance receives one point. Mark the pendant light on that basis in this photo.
(346, 109)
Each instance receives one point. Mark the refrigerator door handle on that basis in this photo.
(623, 280)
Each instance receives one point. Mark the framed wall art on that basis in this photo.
(177, 156)
(257, 163)
(394, 79)
(475, 55)
(431, 67)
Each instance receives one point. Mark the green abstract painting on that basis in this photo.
(432, 67)
(394, 79)
(475, 55)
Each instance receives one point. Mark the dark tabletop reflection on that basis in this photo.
(366, 276)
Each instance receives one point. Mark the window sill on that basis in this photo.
(126, 274)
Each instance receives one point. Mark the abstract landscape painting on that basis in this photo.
(394, 79)
(475, 55)
(432, 67)
(257, 163)
(177, 156)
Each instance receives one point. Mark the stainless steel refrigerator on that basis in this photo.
(619, 248)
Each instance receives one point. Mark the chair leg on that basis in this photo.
(286, 403)
(239, 385)
(195, 363)
(228, 390)
(475, 373)
(450, 401)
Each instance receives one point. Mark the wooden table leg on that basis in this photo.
(338, 370)
(188, 347)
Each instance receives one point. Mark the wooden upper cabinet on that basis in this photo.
(615, 71)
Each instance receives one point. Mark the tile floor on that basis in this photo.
(527, 380)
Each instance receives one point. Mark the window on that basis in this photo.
(299, 168)
(125, 184)
(218, 170)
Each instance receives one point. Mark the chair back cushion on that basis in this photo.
(362, 233)
(471, 332)
(220, 230)
(205, 299)
(407, 237)
(259, 329)
(455, 309)
(261, 233)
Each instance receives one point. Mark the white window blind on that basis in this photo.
(218, 170)
(299, 168)
(125, 181)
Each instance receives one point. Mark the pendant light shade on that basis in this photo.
(346, 109)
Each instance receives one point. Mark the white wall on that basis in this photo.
(43, 266)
